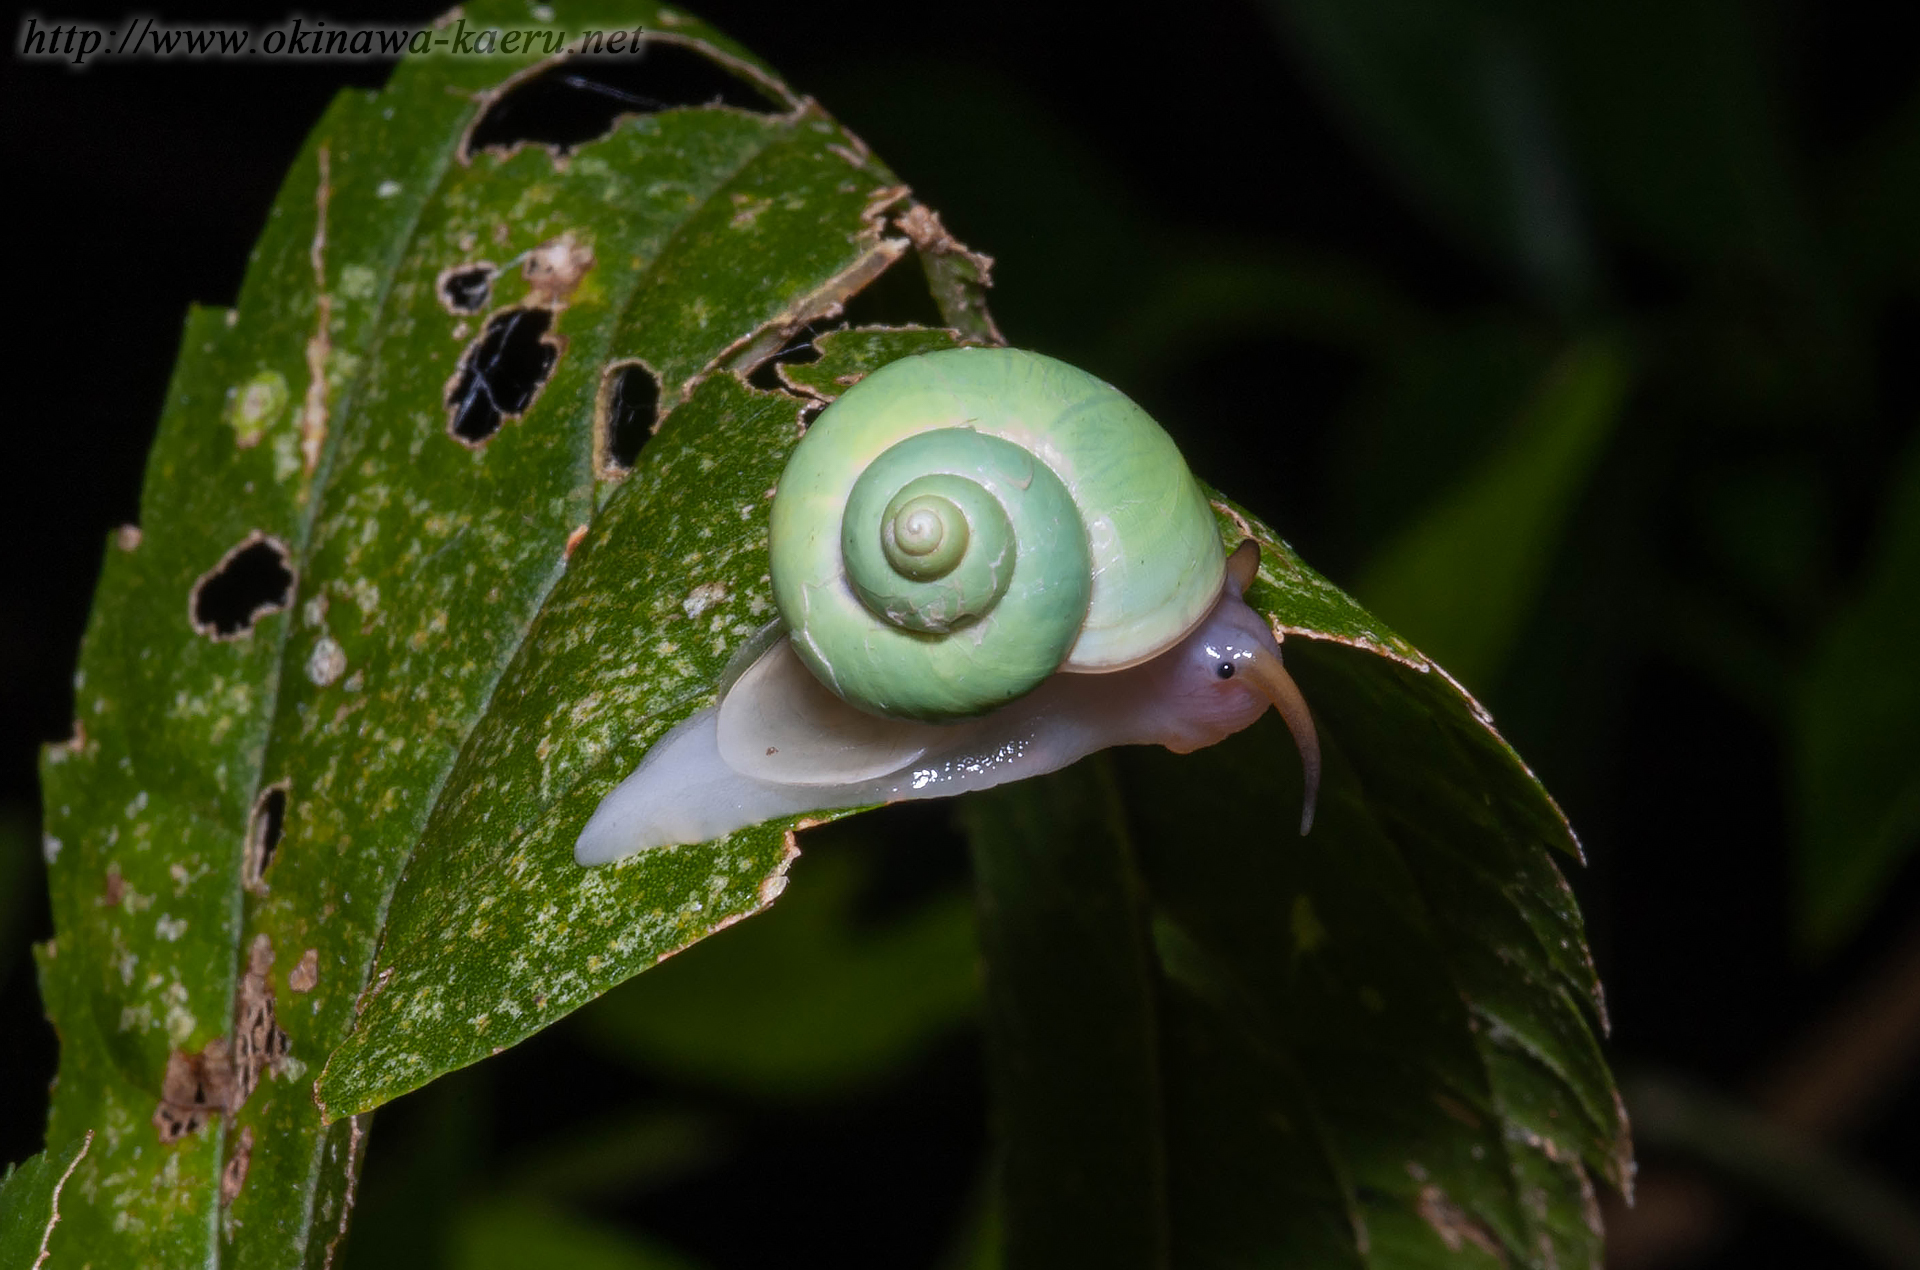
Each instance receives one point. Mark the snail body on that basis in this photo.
(987, 565)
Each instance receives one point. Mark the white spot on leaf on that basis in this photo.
(357, 282)
(327, 662)
(703, 597)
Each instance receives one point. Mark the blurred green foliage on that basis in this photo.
(1469, 571)
(1583, 150)
(520, 1235)
(1859, 728)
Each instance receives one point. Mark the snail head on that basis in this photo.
(1224, 676)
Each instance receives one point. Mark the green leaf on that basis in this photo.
(1237, 290)
(1217, 1043)
(405, 604)
(1070, 1025)
(1465, 576)
(1455, 97)
(1858, 746)
(798, 1003)
(1677, 130)
(1433, 409)
(620, 1156)
(410, 662)
(516, 1235)
(978, 1245)
(494, 931)
(1516, 125)
(846, 356)
(30, 1204)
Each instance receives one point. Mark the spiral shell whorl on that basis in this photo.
(960, 525)
(932, 529)
(924, 534)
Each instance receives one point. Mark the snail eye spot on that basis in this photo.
(1224, 670)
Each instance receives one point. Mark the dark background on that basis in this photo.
(1198, 203)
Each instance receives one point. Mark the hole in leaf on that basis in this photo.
(502, 372)
(466, 288)
(630, 396)
(251, 581)
(798, 350)
(579, 100)
(263, 835)
(898, 297)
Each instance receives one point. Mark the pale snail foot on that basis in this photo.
(682, 793)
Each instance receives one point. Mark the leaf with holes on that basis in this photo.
(409, 595)
(463, 506)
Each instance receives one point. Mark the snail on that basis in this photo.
(987, 564)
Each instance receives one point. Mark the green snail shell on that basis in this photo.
(959, 525)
